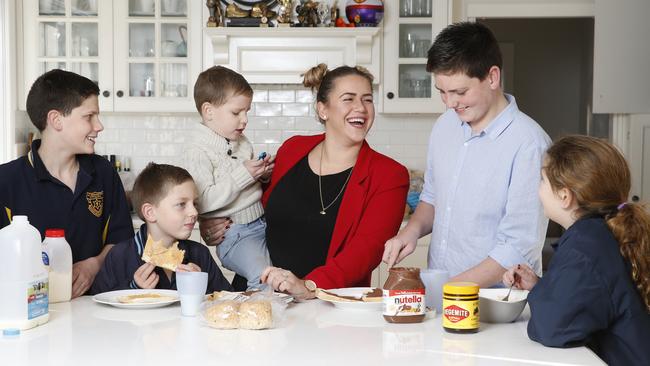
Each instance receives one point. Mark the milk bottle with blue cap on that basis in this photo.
(23, 277)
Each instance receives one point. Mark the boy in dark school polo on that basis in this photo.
(165, 197)
(61, 183)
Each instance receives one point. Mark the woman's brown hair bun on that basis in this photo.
(313, 77)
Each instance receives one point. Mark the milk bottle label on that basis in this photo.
(37, 302)
(46, 259)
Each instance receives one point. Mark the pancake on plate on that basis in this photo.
(144, 298)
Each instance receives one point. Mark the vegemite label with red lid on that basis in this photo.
(404, 302)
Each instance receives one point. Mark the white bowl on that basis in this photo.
(492, 309)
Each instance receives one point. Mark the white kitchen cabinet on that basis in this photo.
(144, 54)
(410, 26)
(280, 55)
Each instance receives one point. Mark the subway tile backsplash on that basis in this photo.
(278, 112)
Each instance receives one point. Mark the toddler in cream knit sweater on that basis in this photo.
(221, 161)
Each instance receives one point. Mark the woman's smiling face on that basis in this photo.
(349, 111)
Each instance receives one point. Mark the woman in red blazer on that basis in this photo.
(342, 228)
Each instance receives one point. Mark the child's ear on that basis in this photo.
(494, 77)
(54, 119)
(206, 110)
(148, 212)
(567, 198)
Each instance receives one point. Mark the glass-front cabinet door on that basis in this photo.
(144, 54)
(68, 35)
(157, 54)
(409, 29)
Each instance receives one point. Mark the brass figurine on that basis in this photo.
(233, 11)
(216, 15)
(307, 14)
(261, 10)
(284, 13)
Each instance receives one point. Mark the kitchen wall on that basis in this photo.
(278, 112)
(553, 70)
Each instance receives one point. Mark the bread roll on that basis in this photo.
(223, 315)
(255, 315)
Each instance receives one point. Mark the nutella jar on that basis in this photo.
(460, 307)
(403, 296)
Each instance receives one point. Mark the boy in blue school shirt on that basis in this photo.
(165, 198)
(482, 171)
(61, 183)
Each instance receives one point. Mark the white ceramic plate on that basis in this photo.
(356, 292)
(111, 298)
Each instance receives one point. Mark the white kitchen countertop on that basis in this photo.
(313, 333)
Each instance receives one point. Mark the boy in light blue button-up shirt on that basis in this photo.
(483, 168)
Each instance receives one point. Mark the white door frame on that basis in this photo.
(7, 82)
(639, 130)
(3, 84)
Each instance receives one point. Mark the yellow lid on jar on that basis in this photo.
(460, 288)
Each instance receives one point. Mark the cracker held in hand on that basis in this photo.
(157, 254)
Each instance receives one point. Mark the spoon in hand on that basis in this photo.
(508, 294)
(510, 289)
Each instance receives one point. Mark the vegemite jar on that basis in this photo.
(460, 307)
(403, 296)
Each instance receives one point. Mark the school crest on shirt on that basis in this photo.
(95, 202)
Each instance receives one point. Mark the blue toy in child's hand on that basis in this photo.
(261, 156)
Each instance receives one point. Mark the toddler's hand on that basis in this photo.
(255, 168)
(261, 169)
(525, 278)
(190, 267)
(145, 277)
(268, 170)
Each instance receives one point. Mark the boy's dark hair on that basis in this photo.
(154, 183)
(57, 90)
(216, 84)
(466, 47)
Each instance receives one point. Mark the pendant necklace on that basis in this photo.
(320, 186)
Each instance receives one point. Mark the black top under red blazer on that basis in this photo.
(371, 212)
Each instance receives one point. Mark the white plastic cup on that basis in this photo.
(191, 290)
(434, 280)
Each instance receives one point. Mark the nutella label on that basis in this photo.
(404, 302)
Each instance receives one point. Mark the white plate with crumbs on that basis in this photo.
(351, 299)
(137, 299)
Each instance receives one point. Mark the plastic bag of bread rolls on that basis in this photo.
(258, 311)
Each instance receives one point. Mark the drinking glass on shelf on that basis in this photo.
(410, 45)
(405, 87)
(421, 47)
(425, 8)
(418, 88)
(415, 10)
(406, 8)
